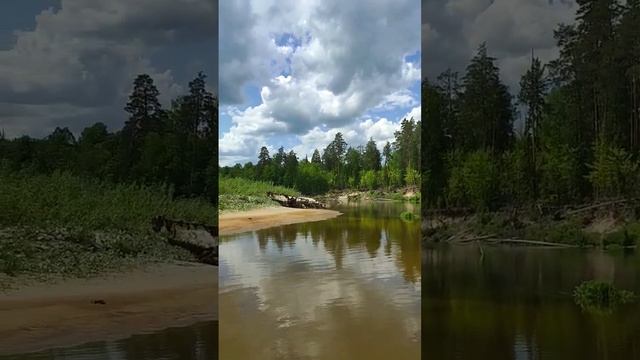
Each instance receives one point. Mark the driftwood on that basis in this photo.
(296, 202)
(599, 205)
(563, 213)
(200, 239)
(493, 239)
(477, 238)
(532, 242)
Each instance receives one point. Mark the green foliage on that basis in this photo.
(65, 200)
(311, 179)
(560, 169)
(601, 297)
(176, 146)
(62, 224)
(515, 174)
(243, 194)
(581, 132)
(473, 179)
(408, 216)
(369, 179)
(412, 177)
(613, 172)
(627, 236)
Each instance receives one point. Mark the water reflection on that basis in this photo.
(197, 342)
(343, 288)
(515, 303)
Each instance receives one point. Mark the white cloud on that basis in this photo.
(415, 113)
(243, 144)
(380, 130)
(345, 59)
(401, 98)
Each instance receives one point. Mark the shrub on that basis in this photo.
(601, 297)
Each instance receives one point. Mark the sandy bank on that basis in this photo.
(64, 314)
(237, 222)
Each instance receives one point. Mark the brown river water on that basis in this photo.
(195, 342)
(344, 288)
(515, 303)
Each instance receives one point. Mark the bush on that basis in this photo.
(311, 179)
(243, 194)
(601, 297)
(369, 180)
(65, 200)
(614, 172)
(473, 180)
(560, 171)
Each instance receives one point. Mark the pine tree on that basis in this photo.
(533, 90)
(486, 113)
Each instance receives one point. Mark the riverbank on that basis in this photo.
(39, 316)
(411, 194)
(609, 224)
(238, 194)
(62, 225)
(256, 219)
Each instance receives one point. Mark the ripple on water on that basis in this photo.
(349, 285)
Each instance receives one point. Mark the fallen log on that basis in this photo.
(599, 205)
(477, 238)
(296, 202)
(529, 242)
(199, 239)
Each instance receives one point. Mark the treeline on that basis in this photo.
(176, 147)
(578, 136)
(341, 166)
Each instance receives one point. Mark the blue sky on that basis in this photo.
(72, 62)
(293, 74)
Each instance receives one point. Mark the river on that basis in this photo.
(344, 288)
(515, 303)
(195, 342)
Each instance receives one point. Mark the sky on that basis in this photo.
(452, 30)
(71, 63)
(294, 73)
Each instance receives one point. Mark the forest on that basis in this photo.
(175, 147)
(93, 196)
(340, 166)
(570, 135)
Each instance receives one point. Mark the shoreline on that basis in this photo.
(41, 316)
(256, 219)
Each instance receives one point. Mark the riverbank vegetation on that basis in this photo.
(340, 166)
(64, 225)
(238, 194)
(601, 297)
(77, 206)
(569, 138)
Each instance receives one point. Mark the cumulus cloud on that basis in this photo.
(380, 130)
(415, 114)
(321, 66)
(453, 29)
(85, 54)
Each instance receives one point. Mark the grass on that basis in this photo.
(408, 216)
(65, 200)
(63, 225)
(600, 297)
(238, 194)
